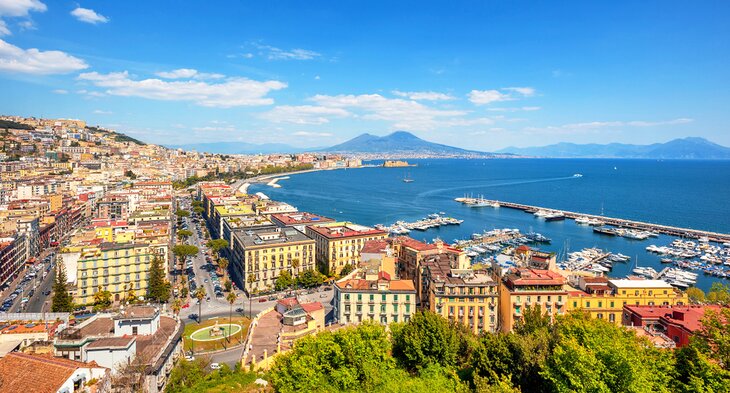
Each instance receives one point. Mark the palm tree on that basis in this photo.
(251, 279)
(295, 264)
(223, 263)
(176, 306)
(200, 295)
(231, 299)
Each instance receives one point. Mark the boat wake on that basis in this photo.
(489, 185)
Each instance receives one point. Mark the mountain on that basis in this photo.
(684, 148)
(399, 142)
(239, 148)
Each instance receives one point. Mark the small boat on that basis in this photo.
(666, 260)
(577, 175)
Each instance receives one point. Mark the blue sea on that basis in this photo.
(692, 194)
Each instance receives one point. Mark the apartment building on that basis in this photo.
(522, 287)
(261, 254)
(339, 243)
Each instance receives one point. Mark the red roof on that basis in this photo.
(311, 307)
(288, 302)
(342, 231)
(374, 247)
(300, 218)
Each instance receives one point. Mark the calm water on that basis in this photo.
(691, 194)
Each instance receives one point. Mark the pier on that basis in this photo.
(617, 222)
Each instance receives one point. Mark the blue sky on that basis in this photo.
(475, 74)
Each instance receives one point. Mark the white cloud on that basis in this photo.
(484, 97)
(18, 9)
(60, 91)
(102, 112)
(523, 91)
(34, 61)
(187, 73)
(313, 134)
(403, 114)
(229, 93)
(424, 95)
(595, 126)
(215, 128)
(274, 53)
(515, 109)
(303, 114)
(89, 16)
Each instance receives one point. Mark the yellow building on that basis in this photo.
(339, 243)
(605, 299)
(461, 294)
(261, 254)
(113, 267)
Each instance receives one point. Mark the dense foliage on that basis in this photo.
(158, 288)
(573, 354)
(62, 300)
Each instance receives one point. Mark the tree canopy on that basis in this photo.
(158, 288)
(62, 300)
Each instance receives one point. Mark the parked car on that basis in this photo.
(189, 358)
(215, 366)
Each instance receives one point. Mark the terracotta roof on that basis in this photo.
(310, 307)
(112, 342)
(20, 372)
(300, 218)
(415, 244)
(344, 230)
(534, 277)
(374, 247)
(288, 302)
(138, 312)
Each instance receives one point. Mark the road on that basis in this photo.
(40, 284)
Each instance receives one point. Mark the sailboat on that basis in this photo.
(407, 179)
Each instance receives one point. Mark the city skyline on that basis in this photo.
(474, 76)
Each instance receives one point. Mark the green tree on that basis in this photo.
(309, 278)
(719, 294)
(200, 295)
(427, 339)
(182, 213)
(284, 280)
(714, 336)
(347, 269)
(695, 295)
(182, 251)
(198, 209)
(184, 234)
(593, 355)
(223, 263)
(158, 288)
(128, 173)
(349, 359)
(196, 203)
(176, 306)
(227, 285)
(231, 298)
(62, 300)
(696, 372)
(102, 300)
(216, 245)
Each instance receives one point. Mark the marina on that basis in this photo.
(618, 223)
(434, 220)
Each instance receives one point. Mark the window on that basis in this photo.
(134, 330)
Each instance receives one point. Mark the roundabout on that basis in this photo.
(217, 332)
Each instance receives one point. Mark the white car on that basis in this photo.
(215, 366)
(189, 358)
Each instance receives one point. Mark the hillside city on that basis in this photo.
(127, 266)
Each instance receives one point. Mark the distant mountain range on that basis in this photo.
(685, 148)
(240, 148)
(400, 142)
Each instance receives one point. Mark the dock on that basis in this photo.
(617, 222)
